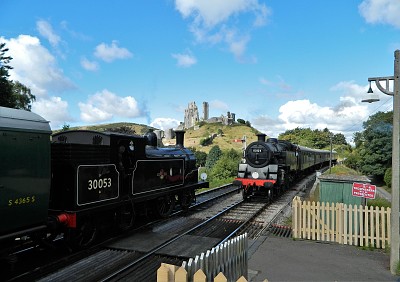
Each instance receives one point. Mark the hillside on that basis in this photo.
(192, 137)
(224, 141)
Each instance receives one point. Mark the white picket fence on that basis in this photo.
(341, 223)
(226, 261)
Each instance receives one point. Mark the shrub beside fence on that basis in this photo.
(341, 223)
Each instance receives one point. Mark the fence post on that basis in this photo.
(181, 275)
(199, 276)
(295, 220)
(318, 230)
(339, 222)
(163, 273)
(342, 223)
(377, 229)
(220, 278)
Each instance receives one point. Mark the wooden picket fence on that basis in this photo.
(226, 262)
(341, 223)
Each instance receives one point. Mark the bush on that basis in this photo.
(379, 202)
(388, 177)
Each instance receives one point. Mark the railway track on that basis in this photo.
(137, 256)
(35, 260)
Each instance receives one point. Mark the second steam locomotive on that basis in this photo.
(82, 181)
(270, 166)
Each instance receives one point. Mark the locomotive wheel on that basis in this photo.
(165, 205)
(84, 236)
(245, 195)
(270, 196)
(126, 217)
(185, 199)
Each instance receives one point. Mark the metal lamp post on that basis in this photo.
(394, 232)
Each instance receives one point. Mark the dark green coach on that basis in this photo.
(24, 173)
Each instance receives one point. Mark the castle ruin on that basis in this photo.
(192, 116)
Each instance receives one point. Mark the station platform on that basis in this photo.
(284, 259)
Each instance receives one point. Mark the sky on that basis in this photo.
(279, 64)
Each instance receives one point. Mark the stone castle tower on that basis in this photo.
(191, 115)
(205, 111)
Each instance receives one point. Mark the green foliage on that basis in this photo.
(224, 170)
(201, 158)
(379, 202)
(219, 131)
(241, 121)
(342, 170)
(388, 177)
(65, 127)
(12, 94)
(206, 141)
(376, 148)
(213, 156)
(5, 84)
(318, 139)
(353, 160)
(123, 129)
(22, 96)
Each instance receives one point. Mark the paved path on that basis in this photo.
(285, 259)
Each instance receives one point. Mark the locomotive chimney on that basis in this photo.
(180, 134)
(261, 137)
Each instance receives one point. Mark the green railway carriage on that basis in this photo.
(24, 172)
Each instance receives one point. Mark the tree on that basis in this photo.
(339, 139)
(201, 157)
(22, 96)
(213, 156)
(12, 94)
(65, 127)
(241, 121)
(6, 87)
(376, 149)
(226, 167)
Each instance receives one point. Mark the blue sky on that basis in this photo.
(279, 64)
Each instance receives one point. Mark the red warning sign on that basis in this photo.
(364, 190)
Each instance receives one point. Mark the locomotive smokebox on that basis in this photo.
(151, 138)
(261, 137)
(180, 134)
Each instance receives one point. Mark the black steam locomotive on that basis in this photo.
(82, 181)
(269, 167)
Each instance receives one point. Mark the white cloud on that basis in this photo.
(381, 11)
(46, 30)
(54, 110)
(105, 105)
(34, 66)
(89, 65)
(345, 117)
(214, 22)
(164, 123)
(109, 53)
(184, 60)
(210, 13)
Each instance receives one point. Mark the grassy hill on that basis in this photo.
(224, 141)
(192, 136)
